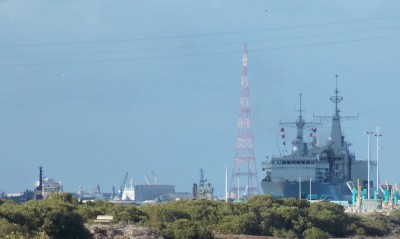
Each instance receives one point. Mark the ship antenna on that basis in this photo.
(300, 105)
(336, 99)
(202, 180)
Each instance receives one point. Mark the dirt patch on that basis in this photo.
(121, 232)
(233, 236)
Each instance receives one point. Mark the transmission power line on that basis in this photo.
(196, 46)
(196, 55)
(200, 34)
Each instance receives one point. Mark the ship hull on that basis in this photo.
(319, 191)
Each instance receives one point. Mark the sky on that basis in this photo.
(91, 90)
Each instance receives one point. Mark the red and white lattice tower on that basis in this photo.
(244, 181)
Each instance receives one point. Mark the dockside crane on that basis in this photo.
(121, 188)
(153, 178)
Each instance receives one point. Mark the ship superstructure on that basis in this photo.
(140, 193)
(313, 171)
(46, 186)
(203, 189)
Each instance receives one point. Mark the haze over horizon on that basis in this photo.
(91, 90)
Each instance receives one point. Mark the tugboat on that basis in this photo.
(202, 190)
(315, 172)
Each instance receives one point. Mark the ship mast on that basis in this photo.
(299, 147)
(336, 133)
(337, 148)
(336, 140)
(336, 99)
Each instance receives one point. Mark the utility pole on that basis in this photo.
(377, 134)
(299, 188)
(226, 183)
(368, 132)
(310, 188)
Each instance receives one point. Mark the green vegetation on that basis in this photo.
(55, 217)
(62, 216)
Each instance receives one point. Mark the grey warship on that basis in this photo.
(312, 171)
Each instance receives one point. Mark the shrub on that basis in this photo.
(329, 217)
(314, 233)
(375, 225)
(180, 229)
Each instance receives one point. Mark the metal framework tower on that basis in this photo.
(244, 181)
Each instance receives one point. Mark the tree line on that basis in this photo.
(63, 216)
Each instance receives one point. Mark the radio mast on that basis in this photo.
(244, 181)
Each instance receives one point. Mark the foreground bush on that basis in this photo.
(54, 217)
(61, 216)
(315, 233)
(128, 214)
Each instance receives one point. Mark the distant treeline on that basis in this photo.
(62, 216)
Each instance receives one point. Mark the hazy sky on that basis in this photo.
(93, 89)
